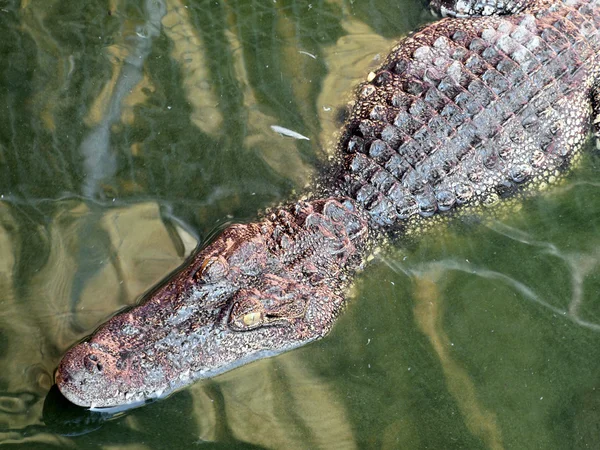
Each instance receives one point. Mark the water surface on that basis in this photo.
(133, 130)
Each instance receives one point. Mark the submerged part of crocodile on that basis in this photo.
(462, 113)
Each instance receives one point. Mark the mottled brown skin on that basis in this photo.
(257, 290)
(462, 114)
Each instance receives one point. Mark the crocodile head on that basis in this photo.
(257, 290)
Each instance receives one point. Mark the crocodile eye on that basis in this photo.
(213, 269)
(247, 312)
(245, 322)
(252, 319)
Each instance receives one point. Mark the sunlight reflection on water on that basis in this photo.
(123, 123)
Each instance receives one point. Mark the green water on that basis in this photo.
(131, 130)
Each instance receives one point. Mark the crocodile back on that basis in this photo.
(467, 111)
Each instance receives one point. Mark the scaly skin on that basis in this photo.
(469, 111)
(461, 114)
(257, 290)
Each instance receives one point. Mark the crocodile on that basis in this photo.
(493, 102)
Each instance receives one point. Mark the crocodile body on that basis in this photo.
(468, 111)
(462, 113)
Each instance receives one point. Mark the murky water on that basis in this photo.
(131, 130)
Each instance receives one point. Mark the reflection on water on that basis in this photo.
(127, 57)
(133, 130)
(429, 314)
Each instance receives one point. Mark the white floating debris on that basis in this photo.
(307, 54)
(287, 132)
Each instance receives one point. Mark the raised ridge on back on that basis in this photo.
(470, 111)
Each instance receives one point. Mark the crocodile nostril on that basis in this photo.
(64, 377)
(91, 363)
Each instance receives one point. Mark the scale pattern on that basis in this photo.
(469, 111)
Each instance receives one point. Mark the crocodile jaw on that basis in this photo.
(146, 381)
(131, 360)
